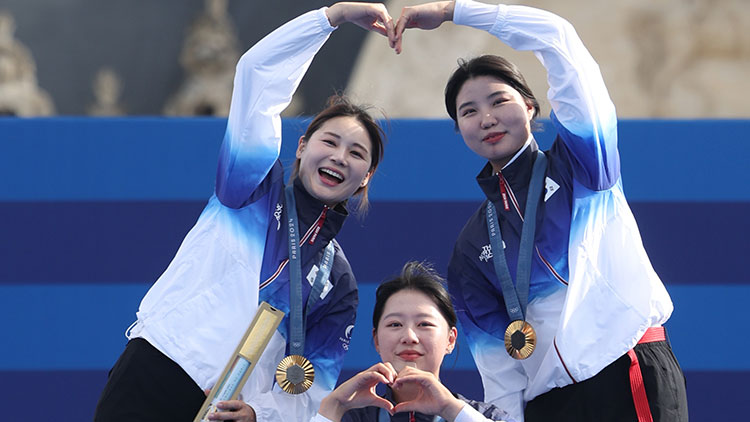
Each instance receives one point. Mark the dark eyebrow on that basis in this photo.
(466, 104)
(492, 95)
(360, 146)
(401, 315)
(355, 144)
(497, 93)
(335, 135)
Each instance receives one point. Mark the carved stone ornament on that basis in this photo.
(107, 88)
(19, 93)
(209, 57)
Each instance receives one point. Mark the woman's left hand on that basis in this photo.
(423, 16)
(433, 398)
(370, 16)
(233, 410)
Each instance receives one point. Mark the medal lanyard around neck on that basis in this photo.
(297, 316)
(516, 298)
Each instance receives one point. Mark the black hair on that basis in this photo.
(419, 277)
(487, 65)
(340, 106)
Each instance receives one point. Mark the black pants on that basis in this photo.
(607, 396)
(145, 385)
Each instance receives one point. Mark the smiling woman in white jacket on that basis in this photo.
(237, 253)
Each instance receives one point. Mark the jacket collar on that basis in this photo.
(309, 210)
(517, 173)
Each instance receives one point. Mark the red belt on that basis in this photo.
(640, 400)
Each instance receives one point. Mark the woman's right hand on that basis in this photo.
(433, 397)
(370, 16)
(423, 16)
(359, 391)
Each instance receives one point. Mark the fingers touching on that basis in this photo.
(370, 16)
(375, 17)
(424, 16)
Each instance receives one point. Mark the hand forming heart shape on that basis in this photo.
(375, 17)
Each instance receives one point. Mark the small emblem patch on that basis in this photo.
(551, 187)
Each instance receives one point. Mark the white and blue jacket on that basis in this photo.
(593, 290)
(236, 254)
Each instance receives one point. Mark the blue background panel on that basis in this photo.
(92, 211)
(133, 242)
(175, 159)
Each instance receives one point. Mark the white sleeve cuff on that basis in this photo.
(469, 414)
(320, 418)
(475, 14)
(325, 24)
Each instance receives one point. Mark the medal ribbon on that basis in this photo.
(297, 316)
(517, 297)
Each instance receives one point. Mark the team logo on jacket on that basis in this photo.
(277, 215)
(486, 254)
(347, 337)
(551, 187)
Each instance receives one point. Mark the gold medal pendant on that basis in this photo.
(520, 339)
(295, 374)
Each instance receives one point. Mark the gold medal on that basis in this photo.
(295, 374)
(520, 339)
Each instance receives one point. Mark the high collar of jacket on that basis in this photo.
(309, 210)
(517, 173)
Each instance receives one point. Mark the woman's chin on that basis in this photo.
(399, 364)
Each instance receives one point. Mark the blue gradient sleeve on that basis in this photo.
(581, 108)
(266, 78)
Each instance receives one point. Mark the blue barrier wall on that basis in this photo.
(92, 210)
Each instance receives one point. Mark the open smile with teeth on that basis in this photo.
(330, 177)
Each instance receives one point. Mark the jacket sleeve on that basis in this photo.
(483, 320)
(267, 76)
(470, 414)
(582, 111)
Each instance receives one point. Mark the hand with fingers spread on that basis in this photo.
(423, 16)
(370, 16)
(359, 391)
(429, 395)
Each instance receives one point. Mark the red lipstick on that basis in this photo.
(494, 137)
